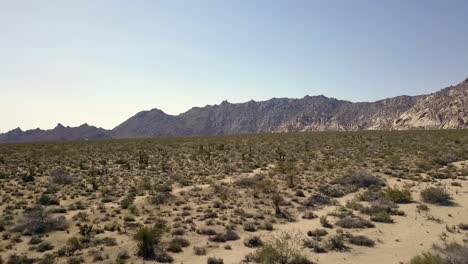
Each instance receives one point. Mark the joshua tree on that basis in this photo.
(149, 239)
(143, 159)
(277, 199)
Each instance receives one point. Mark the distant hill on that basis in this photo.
(445, 109)
(59, 133)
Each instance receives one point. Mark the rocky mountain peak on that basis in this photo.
(447, 108)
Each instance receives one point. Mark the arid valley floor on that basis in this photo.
(319, 197)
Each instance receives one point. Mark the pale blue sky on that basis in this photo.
(102, 61)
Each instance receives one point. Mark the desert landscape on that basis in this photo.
(315, 197)
(233, 132)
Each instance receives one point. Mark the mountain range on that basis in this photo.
(445, 109)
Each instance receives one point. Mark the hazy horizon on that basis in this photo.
(102, 62)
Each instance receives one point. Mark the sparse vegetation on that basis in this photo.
(436, 195)
(169, 199)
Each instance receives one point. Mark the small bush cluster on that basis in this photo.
(436, 195)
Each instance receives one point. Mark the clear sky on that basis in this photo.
(101, 61)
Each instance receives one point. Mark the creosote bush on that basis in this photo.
(284, 248)
(436, 195)
(360, 240)
(399, 196)
(428, 258)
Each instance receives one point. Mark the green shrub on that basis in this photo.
(199, 251)
(436, 195)
(361, 241)
(213, 260)
(253, 242)
(399, 195)
(382, 217)
(428, 258)
(361, 179)
(174, 247)
(284, 248)
(148, 239)
(336, 243)
(354, 222)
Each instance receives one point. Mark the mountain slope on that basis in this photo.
(275, 115)
(445, 109)
(59, 133)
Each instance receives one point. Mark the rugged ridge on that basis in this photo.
(445, 109)
(59, 133)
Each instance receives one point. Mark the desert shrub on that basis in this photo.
(336, 243)
(361, 179)
(213, 260)
(73, 245)
(317, 233)
(436, 195)
(123, 255)
(163, 257)
(199, 251)
(399, 196)
(148, 239)
(337, 190)
(454, 253)
(161, 198)
(219, 238)
(250, 227)
(126, 202)
(422, 207)
(174, 247)
(361, 241)
(27, 177)
(324, 222)
(75, 260)
(428, 258)
(309, 215)
(178, 232)
(301, 260)
(300, 193)
(231, 235)
(164, 188)
(15, 259)
(60, 176)
(183, 242)
(44, 246)
(47, 259)
(377, 206)
(209, 215)
(354, 222)
(38, 221)
(266, 226)
(318, 199)
(207, 232)
(284, 248)
(371, 194)
(253, 242)
(382, 217)
(35, 240)
(249, 182)
(107, 241)
(266, 186)
(47, 200)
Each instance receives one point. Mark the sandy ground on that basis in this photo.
(396, 243)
